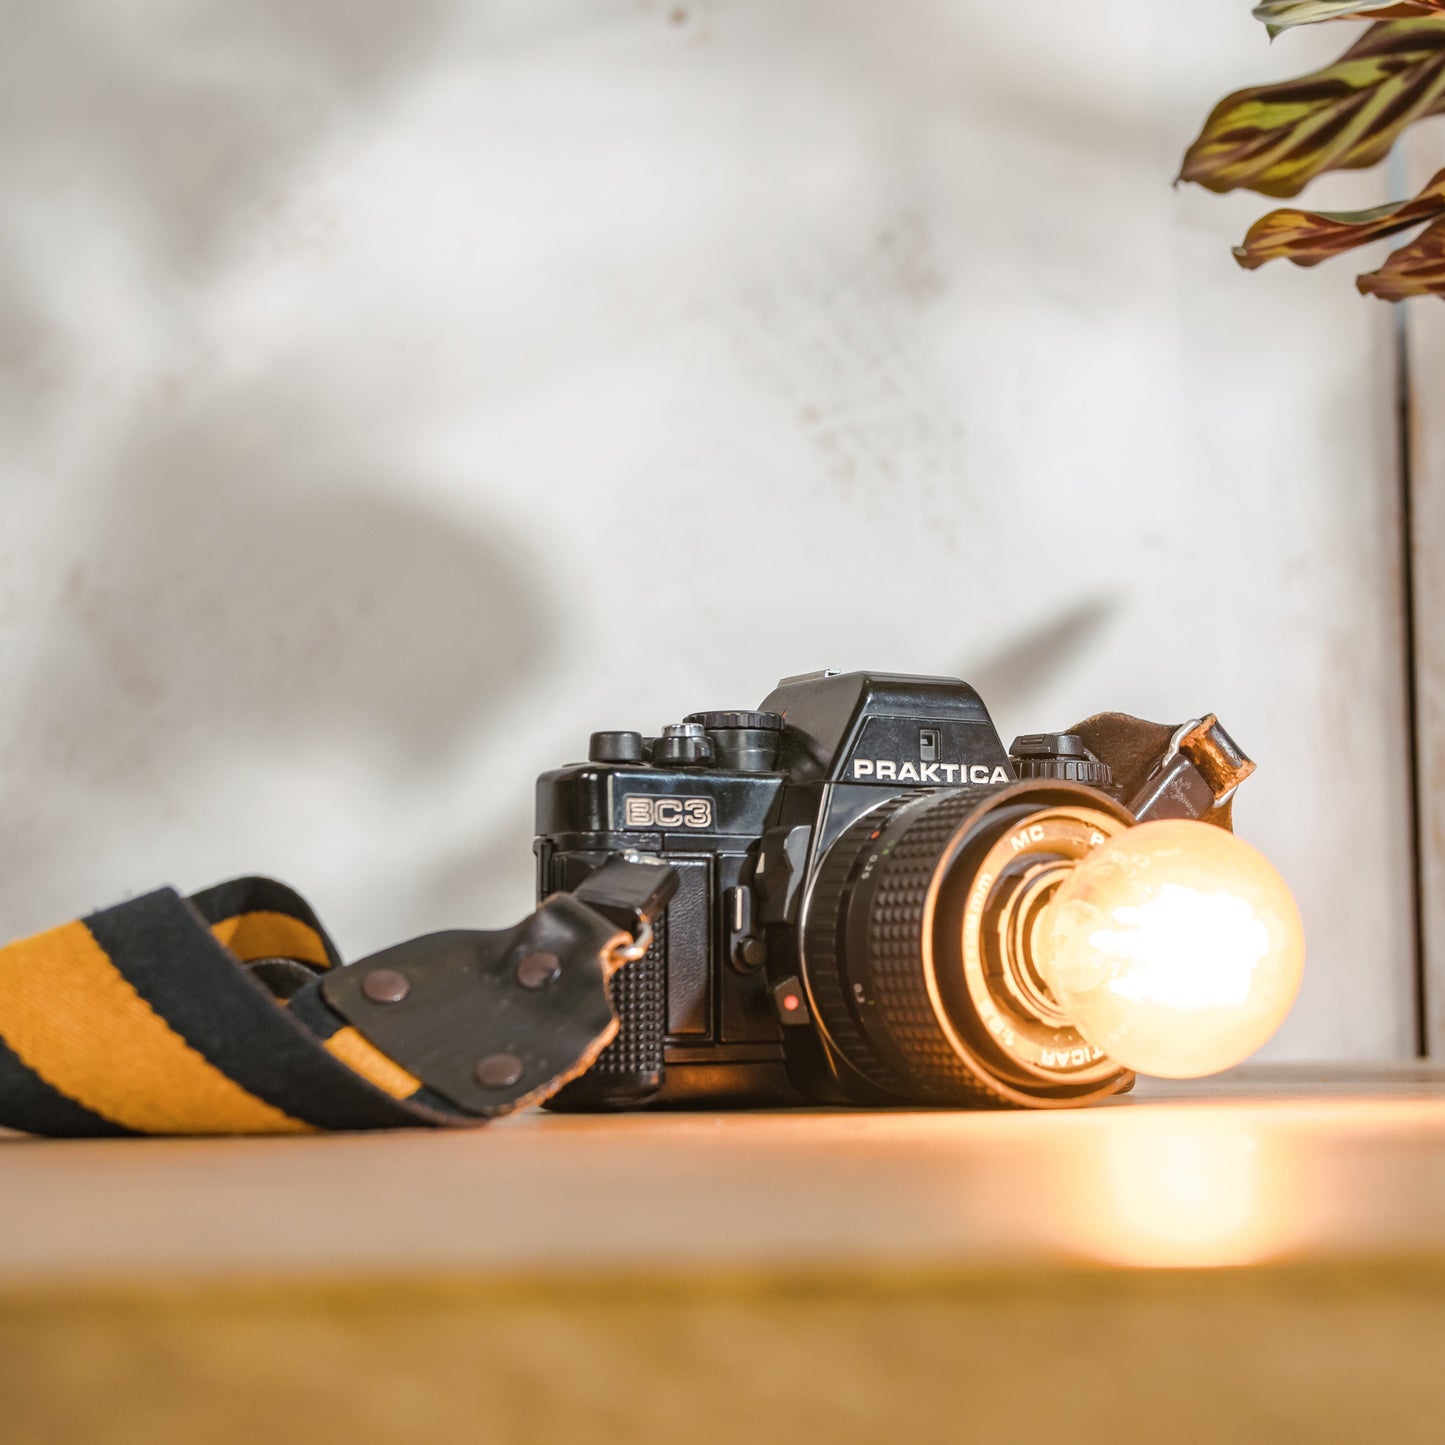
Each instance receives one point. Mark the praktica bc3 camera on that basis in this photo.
(862, 867)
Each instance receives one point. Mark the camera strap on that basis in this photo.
(230, 1012)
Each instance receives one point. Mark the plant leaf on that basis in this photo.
(1414, 270)
(1275, 139)
(1309, 237)
(1282, 14)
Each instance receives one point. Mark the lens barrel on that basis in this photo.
(918, 947)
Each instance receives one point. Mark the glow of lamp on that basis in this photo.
(1174, 947)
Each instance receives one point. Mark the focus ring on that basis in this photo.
(906, 1051)
(896, 947)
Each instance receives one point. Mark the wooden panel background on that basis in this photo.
(1424, 323)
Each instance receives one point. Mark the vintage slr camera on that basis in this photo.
(861, 864)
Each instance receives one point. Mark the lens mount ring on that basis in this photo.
(1018, 919)
(1029, 1038)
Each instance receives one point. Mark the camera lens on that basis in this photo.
(917, 947)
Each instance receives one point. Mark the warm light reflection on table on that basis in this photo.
(1238, 1172)
(1186, 1189)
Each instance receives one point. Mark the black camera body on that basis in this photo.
(861, 863)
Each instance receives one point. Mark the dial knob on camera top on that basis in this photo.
(1059, 756)
(762, 721)
(747, 742)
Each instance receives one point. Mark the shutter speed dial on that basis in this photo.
(1058, 757)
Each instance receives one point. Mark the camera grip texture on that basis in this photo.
(630, 1068)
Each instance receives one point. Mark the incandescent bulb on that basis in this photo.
(1174, 947)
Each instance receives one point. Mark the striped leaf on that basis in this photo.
(1309, 237)
(1282, 14)
(1414, 270)
(1275, 139)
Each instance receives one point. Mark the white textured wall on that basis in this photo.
(393, 394)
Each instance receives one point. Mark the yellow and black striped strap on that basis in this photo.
(229, 1013)
(145, 1018)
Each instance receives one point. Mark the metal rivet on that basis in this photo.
(538, 969)
(499, 1071)
(386, 985)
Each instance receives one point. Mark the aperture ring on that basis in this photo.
(822, 938)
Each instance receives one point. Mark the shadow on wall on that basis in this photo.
(1009, 679)
(235, 603)
(241, 580)
(229, 595)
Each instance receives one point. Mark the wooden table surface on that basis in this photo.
(1257, 1167)
(1256, 1258)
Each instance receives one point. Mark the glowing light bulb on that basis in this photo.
(1174, 947)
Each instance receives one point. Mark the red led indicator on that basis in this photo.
(791, 1002)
